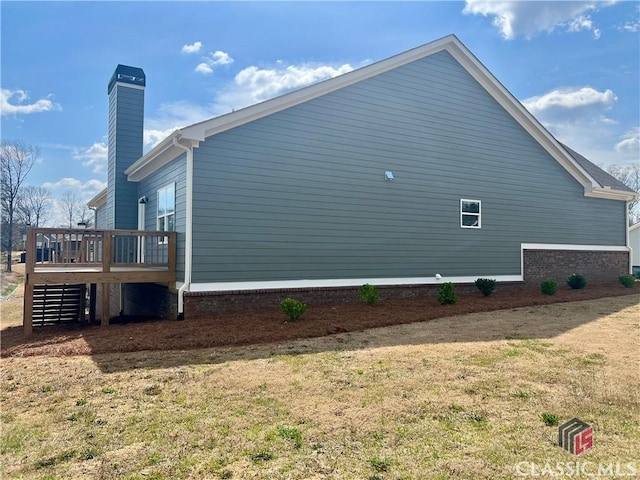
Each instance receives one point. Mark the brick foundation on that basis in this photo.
(598, 267)
(204, 304)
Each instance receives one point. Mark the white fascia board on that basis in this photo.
(341, 282)
(633, 227)
(99, 200)
(510, 103)
(161, 155)
(612, 194)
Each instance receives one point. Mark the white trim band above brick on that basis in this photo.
(356, 282)
(585, 248)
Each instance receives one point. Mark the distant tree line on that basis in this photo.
(23, 206)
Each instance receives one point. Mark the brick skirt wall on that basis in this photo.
(598, 267)
(204, 304)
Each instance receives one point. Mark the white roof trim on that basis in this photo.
(200, 131)
(99, 200)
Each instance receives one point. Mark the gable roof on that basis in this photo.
(599, 175)
(191, 136)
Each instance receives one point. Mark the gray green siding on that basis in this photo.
(301, 194)
(174, 172)
(126, 112)
(101, 217)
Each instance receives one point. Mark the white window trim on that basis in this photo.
(164, 240)
(479, 214)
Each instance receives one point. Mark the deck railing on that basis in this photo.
(104, 249)
(56, 256)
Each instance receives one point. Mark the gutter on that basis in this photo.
(189, 228)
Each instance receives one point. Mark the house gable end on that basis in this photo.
(451, 44)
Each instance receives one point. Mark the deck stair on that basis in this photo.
(58, 303)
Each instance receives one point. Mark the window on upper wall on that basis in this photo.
(470, 213)
(167, 208)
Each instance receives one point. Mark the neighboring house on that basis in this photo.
(634, 243)
(417, 165)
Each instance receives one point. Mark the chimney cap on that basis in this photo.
(127, 74)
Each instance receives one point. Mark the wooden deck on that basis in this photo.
(77, 256)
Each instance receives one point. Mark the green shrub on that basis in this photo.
(368, 294)
(577, 281)
(293, 309)
(549, 287)
(486, 286)
(627, 280)
(447, 294)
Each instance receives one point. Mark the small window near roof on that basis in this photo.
(470, 212)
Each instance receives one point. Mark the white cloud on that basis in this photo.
(213, 60)
(252, 84)
(19, 96)
(95, 157)
(152, 137)
(169, 117)
(570, 98)
(579, 117)
(83, 190)
(527, 18)
(632, 26)
(204, 68)
(630, 142)
(193, 48)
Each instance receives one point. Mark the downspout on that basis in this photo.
(188, 242)
(628, 238)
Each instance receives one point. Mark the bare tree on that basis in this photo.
(630, 176)
(85, 216)
(16, 160)
(34, 205)
(71, 206)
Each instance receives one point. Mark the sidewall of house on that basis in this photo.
(302, 194)
(174, 172)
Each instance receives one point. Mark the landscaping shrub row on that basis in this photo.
(447, 295)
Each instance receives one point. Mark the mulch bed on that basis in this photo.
(270, 326)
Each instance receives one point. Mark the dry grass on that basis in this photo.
(422, 400)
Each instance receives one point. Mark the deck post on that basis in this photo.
(27, 312)
(106, 300)
(106, 251)
(92, 303)
(171, 257)
(29, 268)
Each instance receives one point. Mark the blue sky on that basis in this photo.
(575, 65)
